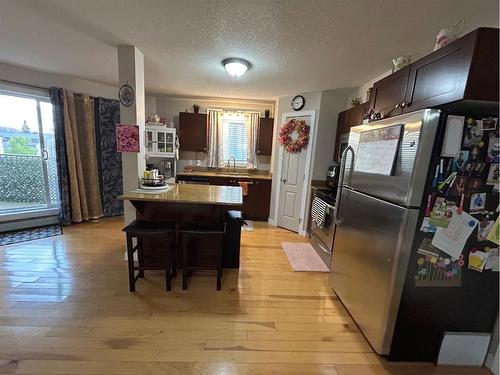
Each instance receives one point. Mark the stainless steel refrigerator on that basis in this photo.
(378, 217)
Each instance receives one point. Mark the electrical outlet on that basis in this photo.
(198, 163)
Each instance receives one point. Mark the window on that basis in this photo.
(234, 138)
(28, 170)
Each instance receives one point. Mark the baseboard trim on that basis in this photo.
(272, 222)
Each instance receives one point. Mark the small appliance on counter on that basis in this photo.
(332, 177)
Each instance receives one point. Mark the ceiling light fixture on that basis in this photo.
(236, 67)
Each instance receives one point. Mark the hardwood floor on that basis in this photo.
(65, 309)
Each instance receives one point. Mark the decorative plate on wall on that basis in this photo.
(126, 95)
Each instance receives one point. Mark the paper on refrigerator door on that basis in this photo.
(453, 136)
(452, 239)
(377, 150)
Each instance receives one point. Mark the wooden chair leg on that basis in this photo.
(140, 256)
(220, 247)
(173, 251)
(184, 263)
(130, 260)
(168, 266)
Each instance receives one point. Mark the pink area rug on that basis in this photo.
(303, 258)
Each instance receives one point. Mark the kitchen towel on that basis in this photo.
(244, 187)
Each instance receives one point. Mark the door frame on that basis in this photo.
(307, 169)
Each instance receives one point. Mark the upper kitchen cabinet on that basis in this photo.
(389, 93)
(193, 131)
(160, 141)
(265, 136)
(466, 69)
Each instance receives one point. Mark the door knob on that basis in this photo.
(283, 180)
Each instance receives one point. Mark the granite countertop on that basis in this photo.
(191, 193)
(260, 175)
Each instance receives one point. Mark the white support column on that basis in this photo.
(131, 72)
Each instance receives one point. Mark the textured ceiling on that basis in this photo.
(293, 45)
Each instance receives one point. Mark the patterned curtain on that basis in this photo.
(107, 115)
(57, 99)
(214, 149)
(252, 122)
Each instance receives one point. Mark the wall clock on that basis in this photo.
(126, 95)
(298, 102)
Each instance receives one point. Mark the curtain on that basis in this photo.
(109, 161)
(57, 99)
(252, 123)
(79, 126)
(77, 156)
(214, 146)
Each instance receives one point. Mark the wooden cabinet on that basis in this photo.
(265, 136)
(389, 93)
(256, 203)
(346, 120)
(193, 131)
(160, 141)
(466, 69)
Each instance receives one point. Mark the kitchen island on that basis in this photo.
(182, 203)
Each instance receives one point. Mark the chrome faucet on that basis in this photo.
(234, 162)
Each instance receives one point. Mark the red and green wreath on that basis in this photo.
(286, 131)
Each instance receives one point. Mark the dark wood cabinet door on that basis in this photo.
(440, 77)
(193, 131)
(389, 93)
(258, 199)
(265, 136)
(342, 127)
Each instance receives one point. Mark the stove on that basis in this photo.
(322, 223)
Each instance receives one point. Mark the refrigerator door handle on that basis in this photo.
(341, 182)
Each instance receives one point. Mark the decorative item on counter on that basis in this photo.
(369, 94)
(477, 259)
(127, 138)
(400, 62)
(287, 130)
(196, 108)
(436, 270)
(156, 119)
(442, 212)
(449, 34)
(267, 113)
(355, 101)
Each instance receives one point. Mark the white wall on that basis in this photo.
(171, 106)
(43, 79)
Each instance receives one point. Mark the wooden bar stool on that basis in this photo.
(146, 229)
(192, 257)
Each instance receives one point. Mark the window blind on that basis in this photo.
(234, 133)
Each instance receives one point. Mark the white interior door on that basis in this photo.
(292, 180)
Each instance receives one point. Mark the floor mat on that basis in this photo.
(30, 234)
(303, 258)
